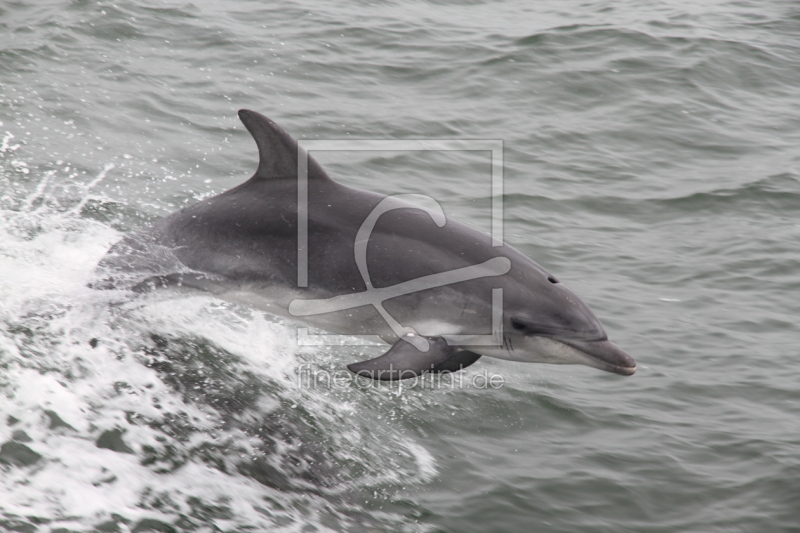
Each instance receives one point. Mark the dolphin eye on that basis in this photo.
(551, 279)
(517, 324)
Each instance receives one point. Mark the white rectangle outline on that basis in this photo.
(495, 146)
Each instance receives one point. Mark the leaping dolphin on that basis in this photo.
(434, 288)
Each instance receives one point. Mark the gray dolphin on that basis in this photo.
(424, 283)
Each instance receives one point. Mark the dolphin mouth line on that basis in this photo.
(604, 355)
(621, 370)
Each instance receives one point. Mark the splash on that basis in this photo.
(171, 410)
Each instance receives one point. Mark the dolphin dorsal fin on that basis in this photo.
(277, 150)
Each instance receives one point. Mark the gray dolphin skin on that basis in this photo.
(375, 265)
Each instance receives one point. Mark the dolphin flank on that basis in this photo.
(299, 245)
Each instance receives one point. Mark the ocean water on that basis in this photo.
(651, 162)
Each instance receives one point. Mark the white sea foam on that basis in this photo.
(78, 367)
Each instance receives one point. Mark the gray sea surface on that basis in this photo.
(651, 162)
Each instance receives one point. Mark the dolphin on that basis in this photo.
(435, 289)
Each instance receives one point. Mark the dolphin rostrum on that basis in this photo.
(436, 289)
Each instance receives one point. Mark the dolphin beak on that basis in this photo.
(604, 355)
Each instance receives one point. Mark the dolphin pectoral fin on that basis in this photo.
(404, 361)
